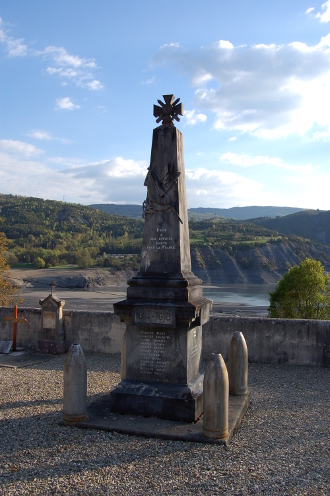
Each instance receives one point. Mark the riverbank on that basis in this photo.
(99, 289)
(70, 278)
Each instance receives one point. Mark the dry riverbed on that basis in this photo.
(96, 289)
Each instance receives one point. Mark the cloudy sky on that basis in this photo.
(79, 79)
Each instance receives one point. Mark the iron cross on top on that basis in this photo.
(168, 110)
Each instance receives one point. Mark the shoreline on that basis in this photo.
(98, 289)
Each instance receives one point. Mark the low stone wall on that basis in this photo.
(287, 341)
(95, 331)
(293, 342)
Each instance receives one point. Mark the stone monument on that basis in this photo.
(165, 309)
(51, 336)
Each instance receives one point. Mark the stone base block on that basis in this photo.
(101, 417)
(161, 400)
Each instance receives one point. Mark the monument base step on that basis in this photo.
(161, 400)
(100, 417)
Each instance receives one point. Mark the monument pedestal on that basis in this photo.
(161, 369)
(165, 310)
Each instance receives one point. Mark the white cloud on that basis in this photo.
(268, 91)
(152, 80)
(121, 180)
(245, 160)
(115, 180)
(42, 135)
(77, 76)
(171, 45)
(77, 69)
(193, 118)
(325, 15)
(15, 47)
(310, 10)
(65, 104)
(94, 85)
(64, 59)
(322, 135)
(220, 188)
(20, 147)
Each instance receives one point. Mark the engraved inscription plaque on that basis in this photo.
(150, 316)
(5, 347)
(49, 320)
(153, 359)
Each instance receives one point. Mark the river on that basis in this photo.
(238, 299)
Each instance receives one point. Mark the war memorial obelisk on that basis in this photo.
(165, 309)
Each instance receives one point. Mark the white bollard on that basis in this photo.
(75, 385)
(238, 365)
(215, 398)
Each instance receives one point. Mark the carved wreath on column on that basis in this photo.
(158, 199)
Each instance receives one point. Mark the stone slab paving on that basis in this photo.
(281, 448)
(100, 417)
(24, 358)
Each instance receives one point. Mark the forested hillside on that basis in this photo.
(311, 224)
(50, 234)
(59, 233)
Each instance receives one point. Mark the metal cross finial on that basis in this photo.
(168, 110)
(52, 285)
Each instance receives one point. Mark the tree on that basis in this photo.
(39, 263)
(84, 259)
(8, 292)
(302, 293)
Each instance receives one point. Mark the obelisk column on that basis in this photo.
(165, 309)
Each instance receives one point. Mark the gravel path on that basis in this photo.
(282, 446)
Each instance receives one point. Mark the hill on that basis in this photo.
(59, 233)
(51, 234)
(310, 224)
(131, 210)
(238, 213)
(256, 264)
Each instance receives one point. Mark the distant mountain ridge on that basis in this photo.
(47, 233)
(201, 213)
(309, 224)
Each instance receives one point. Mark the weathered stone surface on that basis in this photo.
(75, 385)
(166, 233)
(5, 347)
(216, 398)
(163, 355)
(158, 399)
(238, 365)
(165, 310)
(51, 336)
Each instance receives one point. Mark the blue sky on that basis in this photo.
(78, 80)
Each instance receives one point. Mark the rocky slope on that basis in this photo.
(256, 265)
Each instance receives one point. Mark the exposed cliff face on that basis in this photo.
(257, 265)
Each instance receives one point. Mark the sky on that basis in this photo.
(79, 78)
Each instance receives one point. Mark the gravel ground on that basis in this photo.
(282, 446)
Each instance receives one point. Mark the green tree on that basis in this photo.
(302, 293)
(39, 263)
(8, 292)
(84, 259)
